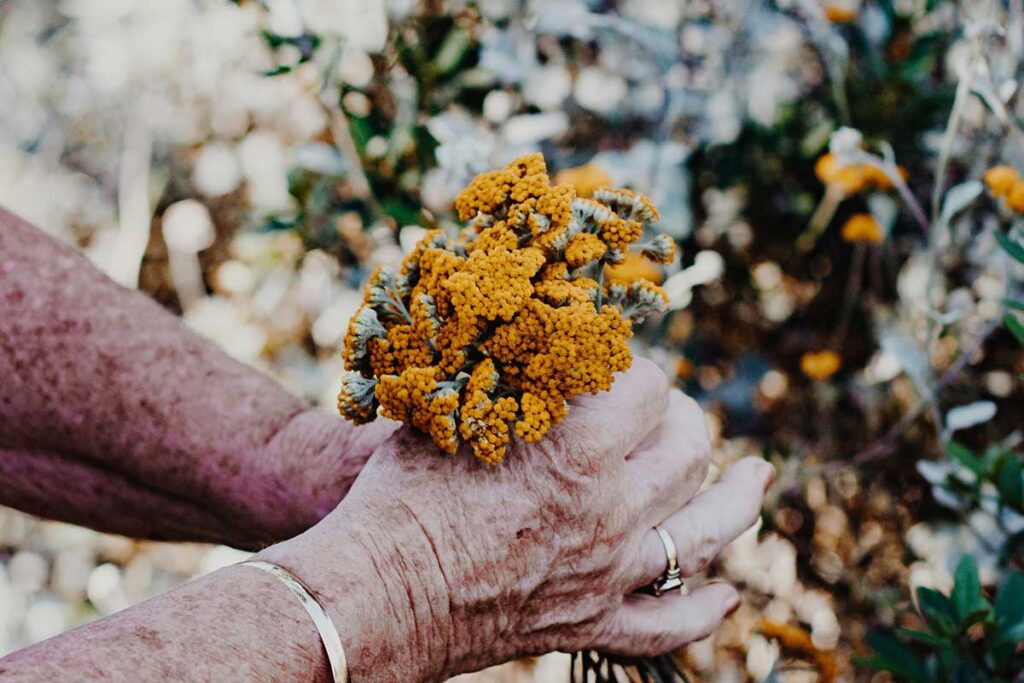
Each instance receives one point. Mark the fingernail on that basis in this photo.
(769, 477)
(733, 606)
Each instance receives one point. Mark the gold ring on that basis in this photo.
(671, 578)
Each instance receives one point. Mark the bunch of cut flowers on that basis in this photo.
(485, 336)
(489, 334)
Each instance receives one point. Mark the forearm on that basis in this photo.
(103, 388)
(243, 624)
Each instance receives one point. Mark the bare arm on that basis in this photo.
(434, 566)
(114, 415)
(240, 623)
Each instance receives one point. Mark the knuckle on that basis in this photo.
(648, 377)
(704, 549)
(707, 554)
(697, 468)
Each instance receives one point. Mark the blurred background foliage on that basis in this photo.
(847, 303)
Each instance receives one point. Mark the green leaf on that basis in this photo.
(453, 49)
(922, 637)
(1009, 636)
(967, 458)
(1010, 482)
(968, 603)
(278, 70)
(1014, 305)
(938, 611)
(1015, 327)
(895, 657)
(967, 672)
(1009, 609)
(1012, 247)
(1009, 603)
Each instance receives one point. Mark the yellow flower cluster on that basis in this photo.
(1006, 182)
(490, 334)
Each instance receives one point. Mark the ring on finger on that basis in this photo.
(672, 578)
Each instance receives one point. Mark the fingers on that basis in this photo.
(710, 521)
(616, 421)
(671, 464)
(647, 626)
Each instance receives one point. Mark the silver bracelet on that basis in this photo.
(328, 634)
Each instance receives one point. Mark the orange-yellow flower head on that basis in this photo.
(862, 227)
(851, 179)
(839, 13)
(1001, 179)
(488, 336)
(820, 365)
(1006, 182)
(1015, 198)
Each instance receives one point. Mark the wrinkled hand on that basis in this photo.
(545, 551)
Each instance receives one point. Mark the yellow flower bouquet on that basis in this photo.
(490, 333)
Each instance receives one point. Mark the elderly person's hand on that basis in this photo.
(434, 566)
(469, 565)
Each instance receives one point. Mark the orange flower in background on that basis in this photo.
(862, 227)
(797, 641)
(1015, 199)
(852, 178)
(684, 368)
(820, 365)
(840, 14)
(491, 334)
(1001, 180)
(585, 179)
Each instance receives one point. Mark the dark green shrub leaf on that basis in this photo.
(1015, 327)
(895, 657)
(1009, 610)
(938, 611)
(1009, 482)
(968, 603)
(922, 637)
(967, 458)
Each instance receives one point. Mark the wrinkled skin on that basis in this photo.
(435, 565)
(116, 416)
(545, 551)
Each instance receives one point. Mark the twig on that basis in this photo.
(821, 217)
(963, 89)
(337, 123)
(853, 285)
